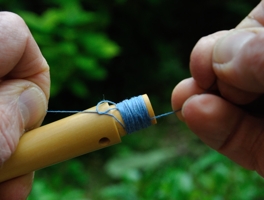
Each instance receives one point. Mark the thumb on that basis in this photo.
(22, 107)
(238, 59)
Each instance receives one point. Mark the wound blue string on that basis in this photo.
(133, 112)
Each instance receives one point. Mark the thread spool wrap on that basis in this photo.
(134, 114)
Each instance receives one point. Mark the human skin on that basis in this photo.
(231, 63)
(24, 91)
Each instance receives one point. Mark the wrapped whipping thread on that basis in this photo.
(98, 127)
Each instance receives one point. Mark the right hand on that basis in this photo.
(232, 61)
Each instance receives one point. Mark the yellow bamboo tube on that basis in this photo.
(67, 138)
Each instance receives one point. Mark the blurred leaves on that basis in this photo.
(122, 166)
(42, 191)
(68, 182)
(210, 177)
(74, 44)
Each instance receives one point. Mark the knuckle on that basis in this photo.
(13, 26)
(11, 17)
(252, 56)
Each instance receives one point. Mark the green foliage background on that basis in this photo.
(117, 49)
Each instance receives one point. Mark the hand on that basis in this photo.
(232, 61)
(24, 91)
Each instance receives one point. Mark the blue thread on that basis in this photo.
(133, 112)
(106, 111)
(166, 114)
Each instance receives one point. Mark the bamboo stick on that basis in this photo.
(67, 138)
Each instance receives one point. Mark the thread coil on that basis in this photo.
(134, 114)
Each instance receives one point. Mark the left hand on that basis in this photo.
(24, 91)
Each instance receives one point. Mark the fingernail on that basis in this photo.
(32, 103)
(229, 46)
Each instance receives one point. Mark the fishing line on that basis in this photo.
(133, 112)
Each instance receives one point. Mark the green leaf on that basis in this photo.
(97, 44)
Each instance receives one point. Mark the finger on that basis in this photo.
(236, 95)
(255, 18)
(238, 60)
(201, 60)
(227, 129)
(20, 57)
(17, 188)
(182, 92)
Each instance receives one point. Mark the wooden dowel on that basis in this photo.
(65, 139)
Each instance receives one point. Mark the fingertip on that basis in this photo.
(183, 91)
(211, 118)
(176, 101)
(188, 107)
(198, 110)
